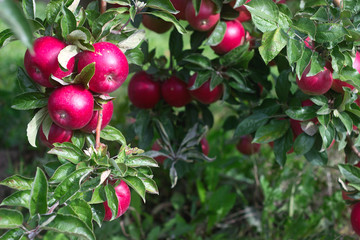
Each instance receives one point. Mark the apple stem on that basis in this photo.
(98, 129)
(353, 148)
(103, 4)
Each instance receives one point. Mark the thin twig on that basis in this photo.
(98, 129)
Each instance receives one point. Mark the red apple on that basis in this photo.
(355, 218)
(204, 146)
(203, 93)
(246, 147)
(155, 24)
(234, 36)
(56, 135)
(108, 109)
(156, 147)
(180, 5)
(296, 127)
(143, 91)
(71, 107)
(123, 195)
(315, 85)
(44, 61)
(111, 67)
(206, 19)
(309, 43)
(356, 63)
(175, 92)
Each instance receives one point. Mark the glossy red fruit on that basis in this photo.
(203, 93)
(204, 146)
(155, 24)
(246, 147)
(315, 85)
(355, 218)
(250, 39)
(175, 92)
(71, 107)
(206, 18)
(123, 195)
(108, 109)
(56, 135)
(244, 14)
(296, 127)
(356, 63)
(44, 61)
(143, 91)
(234, 36)
(338, 85)
(309, 43)
(156, 147)
(180, 5)
(111, 67)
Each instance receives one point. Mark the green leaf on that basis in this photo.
(264, 14)
(53, 9)
(141, 161)
(10, 218)
(217, 34)
(150, 185)
(6, 37)
(301, 113)
(327, 134)
(66, 54)
(350, 172)
(98, 212)
(272, 43)
(78, 139)
(69, 225)
(251, 124)
(83, 211)
(98, 195)
(303, 144)
(198, 60)
(272, 131)
(176, 44)
(62, 172)
(347, 121)
(71, 185)
(30, 100)
(11, 14)
(282, 146)
(112, 200)
(240, 83)
(29, 8)
(25, 82)
(305, 25)
(316, 158)
(110, 133)
(303, 61)
(39, 192)
(85, 75)
(293, 50)
(34, 125)
(330, 32)
(13, 234)
(240, 55)
(169, 18)
(18, 182)
(69, 152)
(282, 86)
(136, 184)
(163, 5)
(102, 26)
(68, 22)
(135, 56)
(17, 199)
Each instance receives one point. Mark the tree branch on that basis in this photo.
(98, 129)
(353, 148)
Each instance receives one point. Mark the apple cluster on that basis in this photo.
(145, 91)
(71, 104)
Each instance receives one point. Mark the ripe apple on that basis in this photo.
(203, 93)
(296, 127)
(244, 14)
(56, 135)
(44, 61)
(175, 92)
(156, 147)
(204, 146)
(356, 63)
(234, 36)
(123, 195)
(111, 67)
(155, 24)
(71, 107)
(355, 218)
(309, 43)
(317, 84)
(143, 91)
(251, 40)
(180, 5)
(108, 109)
(206, 19)
(246, 147)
